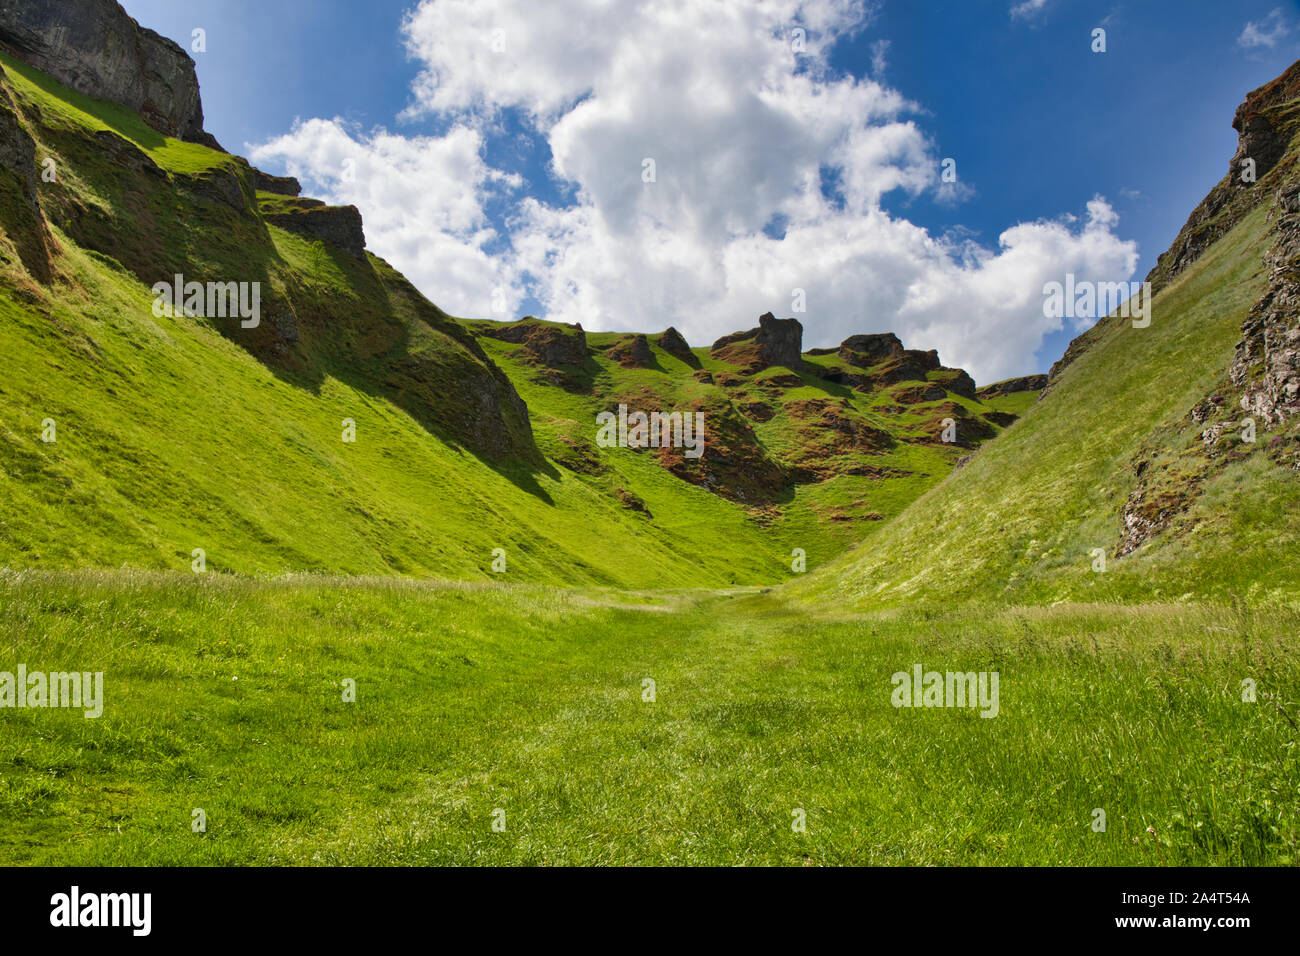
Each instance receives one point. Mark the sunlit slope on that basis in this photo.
(176, 433)
(1021, 521)
(173, 433)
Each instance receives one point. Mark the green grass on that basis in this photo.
(176, 434)
(522, 691)
(63, 107)
(1019, 523)
(225, 694)
(822, 518)
(171, 437)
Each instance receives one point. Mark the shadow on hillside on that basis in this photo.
(117, 118)
(446, 383)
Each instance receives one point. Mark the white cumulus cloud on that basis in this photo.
(421, 199)
(768, 176)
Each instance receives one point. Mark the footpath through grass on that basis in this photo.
(225, 694)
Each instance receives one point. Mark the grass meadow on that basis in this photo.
(526, 707)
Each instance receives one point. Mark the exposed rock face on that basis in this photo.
(1266, 365)
(20, 209)
(1264, 372)
(959, 382)
(774, 342)
(340, 225)
(560, 350)
(734, 464)
(971, 429)
(675, 345)
(892, 363)
(1027, 383)
(280, 185)
(1264, 125)
(1262, 136)
(884, 362)
(94, 47)
(632, 352)
(126, 154)
(223, 186)
(867, 350)
(1150, 510)
(832, 427)
(921, 392)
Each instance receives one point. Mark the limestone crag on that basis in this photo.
(774, 342)
(95, 48)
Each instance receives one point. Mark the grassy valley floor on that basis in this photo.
(225, 694)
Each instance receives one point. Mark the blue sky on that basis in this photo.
(496, 149)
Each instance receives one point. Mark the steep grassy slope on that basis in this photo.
(178, 432)
(173, 433)
(1139, 432)
(226, 695)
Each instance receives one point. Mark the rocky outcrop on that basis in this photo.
(774, 342)
(957, 381)
(1026, 383)
(883, 363)
(971, 429)
(831, 427)
(734, 464)
(675, 345)
(279, 185)
(21, 217)
(868, 350)
(1264, 128)
(95, 48)
(1266, 363)
(1001, 419)
(1262, 385)
(632, 352)
(339, 225)
(560, 350)
(1265, 123)
(919, 393)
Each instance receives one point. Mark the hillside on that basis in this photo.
(358, 679)
(1140, 445)
(174, 432)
